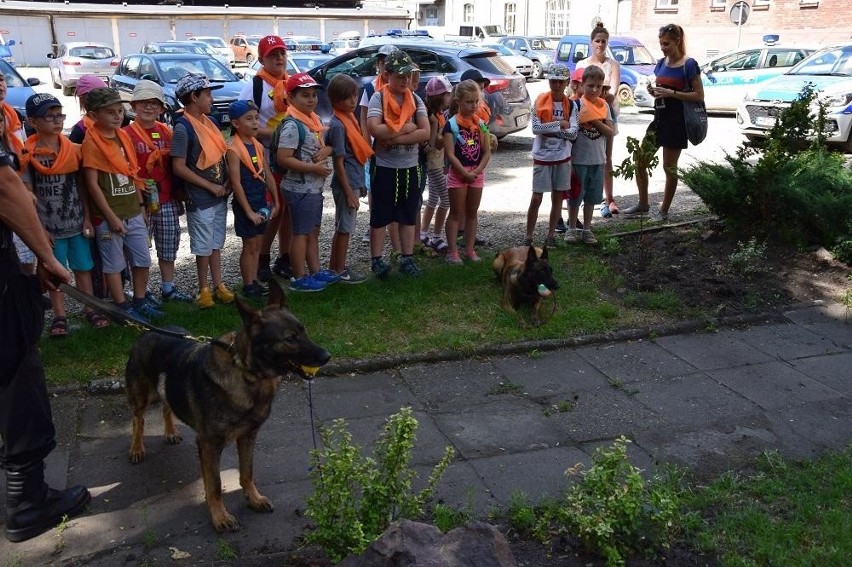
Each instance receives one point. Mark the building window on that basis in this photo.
(760, 4)
(718, 3)
(509, 19)
(556, 17)
(431, 16)
(667, 4)
(808, 3)
(468, 13)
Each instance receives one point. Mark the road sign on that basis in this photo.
(739, 16)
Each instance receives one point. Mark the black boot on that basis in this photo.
(32, 507)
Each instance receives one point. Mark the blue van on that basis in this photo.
(635, 59)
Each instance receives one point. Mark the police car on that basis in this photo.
(829, 70)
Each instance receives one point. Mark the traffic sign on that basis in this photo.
(739, 13)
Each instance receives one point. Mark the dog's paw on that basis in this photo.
(225, 522)
(260, 504)
(136, 455)
(173, 439)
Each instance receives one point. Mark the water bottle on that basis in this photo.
(605, 212)
(152, 196)
(264, 213)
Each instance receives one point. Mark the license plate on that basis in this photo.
(768, 121)
(522, 120)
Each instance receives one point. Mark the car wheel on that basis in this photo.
(249, 59)
(752, 137)
(846, 147)
(69, 91)
(53, 80)
(624, 94)
(538, 70)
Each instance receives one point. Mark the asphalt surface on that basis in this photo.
(707, 400)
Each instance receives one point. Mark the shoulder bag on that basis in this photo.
(694, 116)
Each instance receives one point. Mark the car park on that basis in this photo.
(174, 47)
(539, 49)
(345, 42)
(219, 45)
(244, 48)
(507, 88)
(522, 65)
(166, 69)
(74, 59)
(306, 43)
(18, 89)
(828, 71)
(211, 51)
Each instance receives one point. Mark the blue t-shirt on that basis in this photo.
(467, 146)
(255, 189)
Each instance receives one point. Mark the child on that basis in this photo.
(554, 124)
(397, 120)
(589, 154)
(111, 174)
(252, 184)
(198, 158)
(152, 140)
(51, 170)
(85, 84)
(469, 138)
(350, 152)
(576, 84)
(302, 184)
(438, 96)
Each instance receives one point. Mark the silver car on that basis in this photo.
(219, 45)
(74, 59)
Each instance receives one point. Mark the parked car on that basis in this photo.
(829, 71)
(306, 43)
(18, 90)
(211, 51)
(74, 59)
(5, 51)
(255, 66)
(345, 42)
(244, 48)
(522, 65)
(439, 58)
(175, 47)
(635, 60)
(541, 50)
(166, 69)
(219, 45)
(728, 77)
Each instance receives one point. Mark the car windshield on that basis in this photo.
(490, 64)
(171, 70)
(253, 40)
(91, 52)
(179, 48)
(632, 54)
(215, 41)
(12, 78)
(308, 63)
(500, 48)
(543, 44)
(833, 61)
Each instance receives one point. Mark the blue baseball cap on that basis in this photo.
(240, 107)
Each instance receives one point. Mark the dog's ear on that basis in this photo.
(277, 296)
(531, 254)
(247, 314)
(544, 253)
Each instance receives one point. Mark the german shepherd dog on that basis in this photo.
(522, 271)
(222, 389)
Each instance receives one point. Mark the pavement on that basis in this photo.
(710, 398)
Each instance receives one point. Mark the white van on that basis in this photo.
(345, 42)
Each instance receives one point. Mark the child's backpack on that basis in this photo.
(179, 189)
(276, 137)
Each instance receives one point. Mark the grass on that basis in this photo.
(449, 308)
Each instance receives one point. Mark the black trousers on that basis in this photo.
(26, 421)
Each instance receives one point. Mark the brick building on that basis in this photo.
(709, 29)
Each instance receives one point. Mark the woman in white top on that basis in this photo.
(612, 79)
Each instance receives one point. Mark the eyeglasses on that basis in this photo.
(149, 103)
(55, 117)
(670, 29)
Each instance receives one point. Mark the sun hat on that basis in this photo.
(387, 49)
(240, 107)
(99, 98)
(476, 76)
(438, 85)
(147, 90)
(192, 82)
(88, 82)
(38, 104)
(558, 72)
(301, 81)
(400, 63)
(577, 75)
(269, 44)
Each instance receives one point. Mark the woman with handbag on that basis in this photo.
(678, 81)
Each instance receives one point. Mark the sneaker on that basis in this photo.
(205, 298)
(152, 300)
(176, 295)
(350, 277)
(527, 242)
(479, 241)
(660, 216)
(307, 283)
(589, 237)
(366, 237)
(264, 272)
(438, 245)
(572, 236)
(282, 268)
(326, 276)
(224, 294)
(605, 212)
(560, 226)
(550, 242)
(381, 268)
(426, 240)
(635, 210)
(409, 268)
(255, 291)
(473, 256)
(454, 259)
(148, 311)
(134, 314)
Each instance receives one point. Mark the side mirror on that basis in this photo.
(239, 74)
(51, 56)
(150, 77)
(33, 81)
(11, 42)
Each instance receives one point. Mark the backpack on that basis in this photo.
(179, 189)
(273, 145)
(257, 90)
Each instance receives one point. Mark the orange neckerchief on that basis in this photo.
(279, 90)
(544, 107)
(13, 127)
(210, 139)
(253, 163)
(396, 115)
(101, 154)
(483, 111)
(360, 147)
(439, 116)
(379, 83)
(158, 156)
(66, 160)
(312, 121)
(592, 110)
(471, 123)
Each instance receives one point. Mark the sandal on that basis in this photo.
(96, 320)
(59, 327)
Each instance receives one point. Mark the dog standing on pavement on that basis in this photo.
(526, 277)
(222, 389)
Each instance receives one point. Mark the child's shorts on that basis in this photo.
(305, 211)
(454, 180)
(591, 180)
(207, 228)
(74, 252)
(396, 196)
(243, 226)
(164, 228)
(344, 215)
(552, 177)
(113, 246)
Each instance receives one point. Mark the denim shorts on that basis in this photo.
(74, 252)
(206, 228)
(305, 211)
(113, 246)
(591, 180)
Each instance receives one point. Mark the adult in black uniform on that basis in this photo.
(26, 422)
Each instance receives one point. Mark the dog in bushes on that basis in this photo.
(223, 389)
(526, 278)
